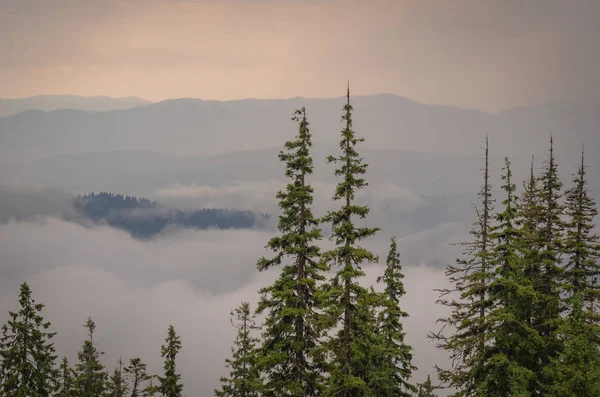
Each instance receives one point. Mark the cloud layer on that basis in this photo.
(190, 279)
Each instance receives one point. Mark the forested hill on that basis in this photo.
(143, 218)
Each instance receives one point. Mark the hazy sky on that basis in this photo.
(483, 54)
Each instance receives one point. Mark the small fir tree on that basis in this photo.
(91, 378)
(118, 385)
(136, 376)
(244, 378)
(26, 351)
(395, 361)
(170, 385)
(66, 381)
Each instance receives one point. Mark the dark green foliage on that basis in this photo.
(394, 363)
(170, 385)
(27, 355)
(582, 247)
(136, 377)
(291, 333)
(344, 293)
(467, 300)
(548, 313)
(66, 380)
(143, 218)
(244, 378)
(91, 377)
(117, 385)
(426, 389)
(576, 370)
(510, 339)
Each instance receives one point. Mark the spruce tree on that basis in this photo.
(576, 370)
(509, 368)
(66, 380)
(426, 389)
(91, 378)
(27, 354)
(292, 303)
(344, 292)
(136, 376)
(551, 229)
(170, 385)
(395, 361)
(467, 299)
(118, 385)
(244, 378)
(582, 246)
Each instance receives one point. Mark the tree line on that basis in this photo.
(522, 307)
(143, 218)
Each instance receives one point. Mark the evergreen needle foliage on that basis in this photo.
(27, 355)
(244, 379)
(91, 378)
(291, 337)
(170, 385)
(347, 300)
(394, 365)
(468, 301)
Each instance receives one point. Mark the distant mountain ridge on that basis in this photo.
(10, 106)
(194, 127)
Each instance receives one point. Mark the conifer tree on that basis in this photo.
(529, 212)
(91, 378)
(551, 237)
(291, 335)
(26, 351)
(582, 246)
(576, 370)
(244, 378)
(66, 381)
(118, 385)
(426, 389)
(344, 293)
(468, 300)
(395, 361)
(170, 385)
(136, 376)
(509, 368)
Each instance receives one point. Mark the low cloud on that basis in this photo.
(190, 279)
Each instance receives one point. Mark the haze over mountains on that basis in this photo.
(54, 102)
(194, 127)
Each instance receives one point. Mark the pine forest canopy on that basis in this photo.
(522, 310)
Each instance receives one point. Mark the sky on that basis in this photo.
(483, 54)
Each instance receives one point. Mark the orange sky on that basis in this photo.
(473, 53)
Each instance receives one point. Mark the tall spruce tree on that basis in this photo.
(582, 246)
(289, 361)
(509, 368)
(467, 299)
(118, 385)
(346, 297)
(137, 376)
(426, 389)
(66, 380)
(244, 378)
(91, 378)
(551, 229)
(529, 212)
(394, 363)
(170, 383)
(27, 354)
